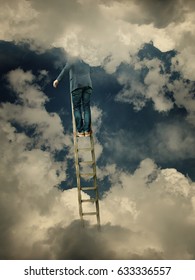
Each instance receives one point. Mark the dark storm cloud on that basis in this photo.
(76, 242)
(161, 13)
(164, 12)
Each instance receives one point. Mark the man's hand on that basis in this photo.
(55, 83)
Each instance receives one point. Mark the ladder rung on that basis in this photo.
(87, 174)
(86, 162)
(88, 188)
(89, 200)
(89, 213)
(85, 149)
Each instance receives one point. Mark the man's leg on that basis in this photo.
(76, 99)
(86, 109)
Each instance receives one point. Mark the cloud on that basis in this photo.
(149, 80)
(28, 178)
(41, 222)
(172, 141)
(30, 173)
(145, 200)
(164, 141)
(133, 91)
(30, 111)
(137, 93)
(147, 213)
(96, 29)
(171, 12)
(182, 90)
(155, 83)
(97, 115)
(101, 29)
(140, 226)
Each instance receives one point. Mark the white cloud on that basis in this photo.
(28, 180)
(183, 35)
(96, 29)
(39, 220)
(137, 93)
(186, 66)
(155, 82)
(144, 207)
(96, 114)
(133, 92)
(184, 97)
(30, 200)
(155, 86)
(30, 111)
(114, 29)
(172, 141)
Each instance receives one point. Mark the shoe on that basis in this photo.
(80, 134)
(88, 133)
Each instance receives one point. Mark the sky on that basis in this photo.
(142, 56)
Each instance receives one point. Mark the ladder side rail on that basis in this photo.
(77, 163)
(95, 180)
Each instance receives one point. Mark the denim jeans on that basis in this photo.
(81, 103)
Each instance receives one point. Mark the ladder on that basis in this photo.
(81, 176)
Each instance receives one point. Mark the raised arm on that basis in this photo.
(61, 75)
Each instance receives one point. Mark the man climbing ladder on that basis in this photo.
(81, 89)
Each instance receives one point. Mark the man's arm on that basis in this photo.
(61, 75)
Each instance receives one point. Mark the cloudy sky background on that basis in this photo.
(143, 108)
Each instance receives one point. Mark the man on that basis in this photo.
(81, 89)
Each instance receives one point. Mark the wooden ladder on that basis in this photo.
(80, 164)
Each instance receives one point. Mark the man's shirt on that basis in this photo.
(79, 74)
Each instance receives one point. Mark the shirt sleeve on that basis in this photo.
(64, 70)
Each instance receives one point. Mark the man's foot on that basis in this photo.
(80, 134)
(88, 133)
